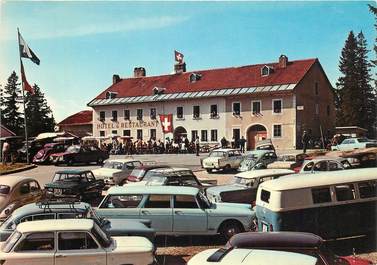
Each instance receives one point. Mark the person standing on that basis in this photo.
(305, 140)
(197, 145)
(242, 144)
(223, 142)
(6, 152)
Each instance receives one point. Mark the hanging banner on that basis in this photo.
(166, 123)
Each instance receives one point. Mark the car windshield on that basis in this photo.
(8, 245)
(137, 173)
(112, 164)
(4, 189)
(217, 154)
(243, 181)
(103, 238)
(66, 177)
(156, 180)
(73, 149)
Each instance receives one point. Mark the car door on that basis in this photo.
(92, 186)
(188, 217)
(158, 209)
(121, 206)
(78, 247)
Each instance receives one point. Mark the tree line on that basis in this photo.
(39, 117)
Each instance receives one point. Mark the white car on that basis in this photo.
(72, 241)
(240, 256)
(319, 164)
(222, 159)
(116, 171)
(354, 143)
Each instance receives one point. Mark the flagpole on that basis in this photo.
(23, 99)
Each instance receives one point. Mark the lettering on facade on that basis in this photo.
(130, 124)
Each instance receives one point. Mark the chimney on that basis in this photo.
(283, 61)
(139, 71)
(116, 79)
(180, 68)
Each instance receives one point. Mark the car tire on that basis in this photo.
(100, 161)
(227, 168)
(230, 228)
(209, 170)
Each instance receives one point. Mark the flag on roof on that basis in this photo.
(25, 51)
(26, 86)
(178, 56)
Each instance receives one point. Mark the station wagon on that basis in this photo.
(176, 210)
(222, 159)
(319, 164)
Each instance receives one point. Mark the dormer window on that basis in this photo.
(195, 77)
(266, 70)
(158, 90)
(111, 95)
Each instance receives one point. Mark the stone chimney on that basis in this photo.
(283, 61)
(116, 79)
(180, 68)
(139, 71)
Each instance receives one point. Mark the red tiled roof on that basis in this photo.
(213, 79)
(79, 118)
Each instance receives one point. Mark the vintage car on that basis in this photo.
(65, 209)
(116, 171)
(304, 243)
(177, 210)
(73, 241)
(289, 161)
(76, 154)
(44, 155)
(139, 173)
(224, 159)
(257, 159)
(241, 256)
(16, 191)
(319, 164)
(354, 143)
(243, 188)
(79, 184)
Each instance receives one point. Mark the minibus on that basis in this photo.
(333, 205)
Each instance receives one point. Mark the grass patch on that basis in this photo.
(9, 166)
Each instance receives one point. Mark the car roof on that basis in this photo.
(264, 173)
(149, 167)
(56, 225)
(73, 171)
(304, 180)
(178, 190)
(224, 149)
(170, 170)
(122, 160)
(12, 181)
(275, 240)
(322, 158)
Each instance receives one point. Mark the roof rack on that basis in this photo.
(46, 203)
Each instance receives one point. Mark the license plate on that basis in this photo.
(264, 227)
(58, 191)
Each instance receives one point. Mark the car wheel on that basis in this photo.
(209, 170)
(229, 229)
(227, 168)
(100, 161)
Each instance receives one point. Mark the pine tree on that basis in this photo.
(38, 114)
(374, 62)
(11, 117)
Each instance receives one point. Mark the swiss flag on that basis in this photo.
(178, 56)
(166, 122)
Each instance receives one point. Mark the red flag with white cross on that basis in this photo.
(166, 122)
(178, 56)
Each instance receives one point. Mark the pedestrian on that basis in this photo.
(305, 140)
(197, 145)
(223, 142)
(5, 152)
(242, 144)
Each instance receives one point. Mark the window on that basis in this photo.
(153, 134)
(316, 109)
(204, 135)
(196, 112)
(37, 242)
(277, 130)
(214, 135)
(213, 111)
(180, 112)
(328, 110)
(139, 134)
(34, 186)
(43, 216)
(321, 195)
(102, 116)
(194, 134)
(114, 115)
(139, 114)
(320, 166)
(153, 113)
(256, 107)
(127, 114)
(265, 70)
(335, 166)
(345, 192)
(122, 201)
(185, 201)
(368, 189)
(126, 132)
(76, 240)
(102, 133)
(316, 88)
(158, 201)
(236, 108)
(265, 196)
(276, 106)
(70, 215)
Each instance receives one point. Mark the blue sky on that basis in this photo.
(82, 44)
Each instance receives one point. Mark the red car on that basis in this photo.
(76, 154)
(44, 155)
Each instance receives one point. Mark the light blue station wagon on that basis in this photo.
(177, 210)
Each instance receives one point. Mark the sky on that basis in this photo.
(82, 44)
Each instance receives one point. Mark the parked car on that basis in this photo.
(319, 164)
(265, 145)
(73, 241)
(289, 161)
(116, 171)
(177, 210)
(63, 209)
(354, 143)
(244, 186)
(80, 154)
(241, 256)
(224, 159)
(298, 242)
(257, 159)
(79, 184)
(44, 154)
(139, 173)
(16, 191)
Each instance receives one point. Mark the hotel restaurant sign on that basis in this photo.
(129, 124)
